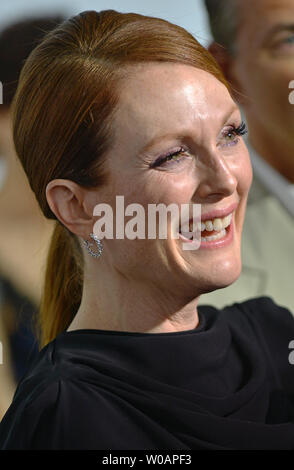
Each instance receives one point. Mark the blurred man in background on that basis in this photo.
(254, 45)
(24, 232)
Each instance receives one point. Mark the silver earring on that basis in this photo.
(89, 244)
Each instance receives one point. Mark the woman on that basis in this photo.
(111, 105)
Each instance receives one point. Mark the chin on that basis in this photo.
(222, 275)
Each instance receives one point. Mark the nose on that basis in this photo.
(217, 178)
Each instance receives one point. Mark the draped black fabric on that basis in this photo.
(228, 384)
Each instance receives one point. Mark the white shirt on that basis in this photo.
(274, 182)
(3, 171)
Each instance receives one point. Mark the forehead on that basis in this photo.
(252, 9)
(257, 15)
(169, 98)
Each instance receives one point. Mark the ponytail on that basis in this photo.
(62, 291)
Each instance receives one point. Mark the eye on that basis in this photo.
(230, 135)
(171, 158)
(284, 44)
(289, 40)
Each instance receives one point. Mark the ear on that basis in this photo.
(227, 63)
(69, 202)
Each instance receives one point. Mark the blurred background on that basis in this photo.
(190, 14)
(24, 232)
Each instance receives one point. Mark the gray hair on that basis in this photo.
(223, 20)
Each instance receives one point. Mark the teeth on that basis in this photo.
(211, 238)
(217, 225)
(209, 225)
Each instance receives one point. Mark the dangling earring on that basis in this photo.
(89, 244)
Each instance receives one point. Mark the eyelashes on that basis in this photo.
(176, 155)
(167, 157)
(241, 130)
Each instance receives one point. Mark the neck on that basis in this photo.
(133, 306)
(269, 147)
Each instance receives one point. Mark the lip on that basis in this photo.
(219, 213)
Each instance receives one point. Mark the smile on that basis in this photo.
(215, 231)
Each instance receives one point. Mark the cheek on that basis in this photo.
(243, 173)
(259, 89)
(275, 92)
(160, 187)
(281, 119)
(266, 83)
(175, 188)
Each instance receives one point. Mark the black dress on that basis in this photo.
(228, 384)
(22, 342)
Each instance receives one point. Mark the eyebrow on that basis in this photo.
(171, 135)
